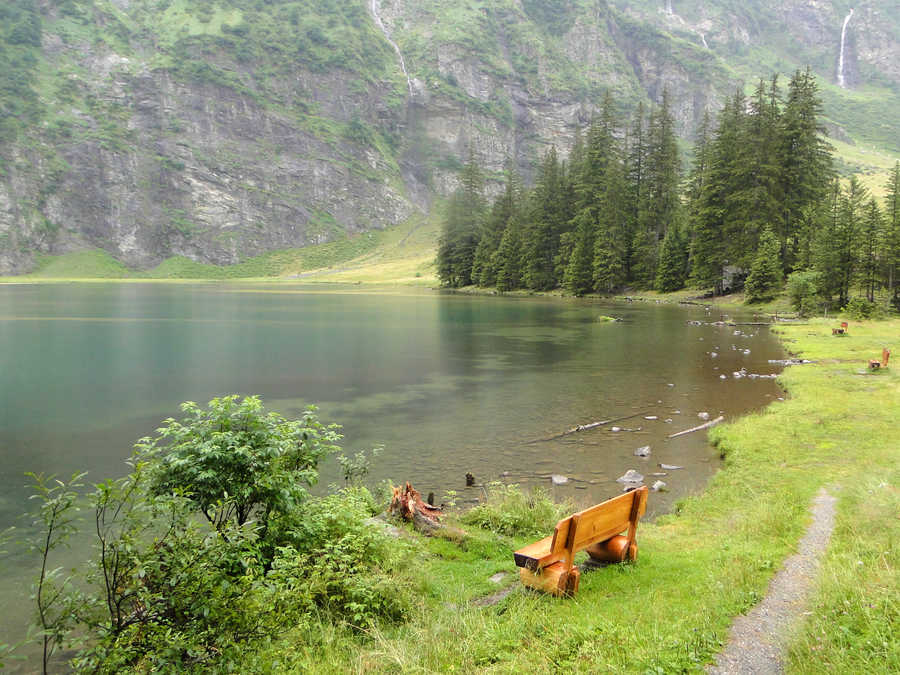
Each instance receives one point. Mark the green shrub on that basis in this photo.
(803, 289)
(513, 512)
(860, 308)
(212, 548)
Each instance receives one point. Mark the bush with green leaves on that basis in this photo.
(511, 511)
(803, 290)
(859, 309)
(211, 547)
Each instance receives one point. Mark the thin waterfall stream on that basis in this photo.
(841, 78)
(376, 7)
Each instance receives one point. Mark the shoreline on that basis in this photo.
(712, 559)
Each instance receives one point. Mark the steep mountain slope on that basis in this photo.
(218, 130)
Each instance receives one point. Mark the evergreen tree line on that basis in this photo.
(760, 201)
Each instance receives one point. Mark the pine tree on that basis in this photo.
(712, 245)
(805, 161)
(870, 240)
(765, 273)
(579, 275)
(462, 227)
(847, 244)
(661, 200)
(892, 234)
(484, 272)
(541, 238)
(673, 262)
(827, 243)
(508, 257)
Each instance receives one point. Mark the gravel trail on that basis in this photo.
(755, 644)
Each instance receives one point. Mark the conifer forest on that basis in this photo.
(760, 203)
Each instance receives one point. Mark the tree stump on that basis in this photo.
(407, 504)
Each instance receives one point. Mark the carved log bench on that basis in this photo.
(875, 364)
(548, 564)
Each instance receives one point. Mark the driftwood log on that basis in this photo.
(585, 427)
(407, 504)
(709, 424)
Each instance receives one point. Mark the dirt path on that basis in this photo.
(756, 641)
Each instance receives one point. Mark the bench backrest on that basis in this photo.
(598, 523)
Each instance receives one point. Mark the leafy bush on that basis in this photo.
(860, 308)
(802, 288)
(233, 462)
(513, 512)
(170, 591)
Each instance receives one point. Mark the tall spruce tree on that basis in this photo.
(827, 243)
(765, 273)
(711, 247)
(579, 274)
(673, 261)
(545, 224)
(848, 240)
(484, 271)
(892, 234)
(661, 197)
(508, 257)
(462, 227)
(871, 237)
(805, 161)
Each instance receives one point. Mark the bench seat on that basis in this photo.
(547, 564)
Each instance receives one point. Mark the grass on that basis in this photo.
(699, 567)
(403, 254)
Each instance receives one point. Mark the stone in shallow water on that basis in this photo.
(651, 417)
(631, 476)
(670, 467)
(559, 479)
(643, 451)
(703, 415)
(657, 486)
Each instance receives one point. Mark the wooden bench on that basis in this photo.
(548, 564)
(875, 364)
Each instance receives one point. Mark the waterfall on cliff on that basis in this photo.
(842, 80)
(669, 10)
(376, 7)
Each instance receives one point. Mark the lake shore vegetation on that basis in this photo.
(326, 589)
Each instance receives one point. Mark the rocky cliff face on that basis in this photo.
(221, 130)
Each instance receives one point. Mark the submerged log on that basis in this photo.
(585, 427)
(709, 424)
(407, 504)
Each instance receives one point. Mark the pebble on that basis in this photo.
(657, 486)
(651, 417)
(616, 429)
(703, 415)
(670, 467)
(643, 451)
(659, 473)
(558, 479)
(723, 377)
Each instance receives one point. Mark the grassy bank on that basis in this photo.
(403, 254)
(697, 568)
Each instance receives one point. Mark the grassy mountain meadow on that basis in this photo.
(169, 136)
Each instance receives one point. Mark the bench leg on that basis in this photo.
(552, 579)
